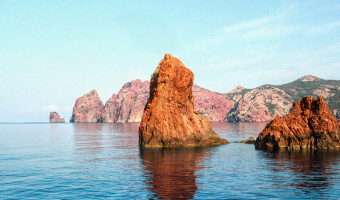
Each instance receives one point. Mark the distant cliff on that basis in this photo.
(238, 105)
(264, 102)
(128, 104)
(87, 108)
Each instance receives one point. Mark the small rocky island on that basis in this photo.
(170, 119)
(88, 108)
(310, 125)
(55, 118)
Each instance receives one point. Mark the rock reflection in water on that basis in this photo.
(122, 135)
(311, 169)
(171, 172)
(88, 137)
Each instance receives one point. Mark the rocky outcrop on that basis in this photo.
(170, 119)
(128, 105)
(212, 105)
(308, 78)
(238, 89)
(88, 108)
(250, 140)
(310, 125)
(55, 118)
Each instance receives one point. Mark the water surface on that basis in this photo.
(96, 161)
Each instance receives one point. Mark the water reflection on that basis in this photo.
(122, 135)
(238, 131)
(310, 169)
(171, 172)
(88, 137)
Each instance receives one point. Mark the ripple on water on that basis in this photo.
(97, 161)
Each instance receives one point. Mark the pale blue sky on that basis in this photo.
(52, 52)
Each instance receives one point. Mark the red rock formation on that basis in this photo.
(212, 105)
(310, 125)
(128, 105)
(88, 108)
(169, 118)
(55, 118)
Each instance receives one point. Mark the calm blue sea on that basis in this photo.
(102, 161)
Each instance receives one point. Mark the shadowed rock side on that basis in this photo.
(128, 105)
(55, 118)
(310, 125)
(171, 173)
(170, 119)
(88, 108)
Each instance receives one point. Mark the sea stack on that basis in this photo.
(170, 119)
(310, 125)
(88, 108)
(55, 118)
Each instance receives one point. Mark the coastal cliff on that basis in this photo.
(88, 108)
(239, 105)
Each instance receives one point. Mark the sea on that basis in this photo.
(103, 161)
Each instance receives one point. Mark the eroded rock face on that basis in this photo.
(310, 125)
(128, 105)
(260, 104)
(265, 102)
(55, 118)
(213, 106)
(88, 108)
(170, 119)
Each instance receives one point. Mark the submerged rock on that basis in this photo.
(310, 125)
(88, 108)
(55, 118)
(170, 119)
(250, 140)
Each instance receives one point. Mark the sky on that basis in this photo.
(52, 52)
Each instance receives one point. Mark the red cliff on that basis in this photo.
(128, 105)
(88, 108)
(310, 125)
(169, 118)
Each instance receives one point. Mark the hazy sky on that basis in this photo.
(52, 52)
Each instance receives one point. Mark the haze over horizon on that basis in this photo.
(53, 52)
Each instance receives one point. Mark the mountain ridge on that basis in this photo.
(258, 104)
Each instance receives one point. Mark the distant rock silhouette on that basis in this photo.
(88, 108)
(170, 119)
(55, 118)
(250, 140)
(310, 125)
